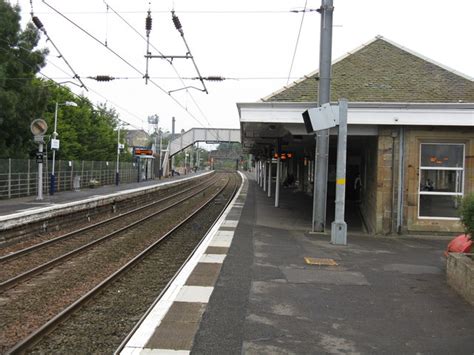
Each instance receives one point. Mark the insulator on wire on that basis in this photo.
(148, 21)
(102, 78)
(176, 22)
(38, 23)
(214, 78)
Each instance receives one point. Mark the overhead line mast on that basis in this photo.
(188, 55)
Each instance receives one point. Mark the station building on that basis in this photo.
(410, 137)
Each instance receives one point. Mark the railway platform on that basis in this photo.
(260, 283)
(29, 204)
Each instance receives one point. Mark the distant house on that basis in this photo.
(410, 136)
(137, 138)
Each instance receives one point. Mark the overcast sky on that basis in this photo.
(251, 43)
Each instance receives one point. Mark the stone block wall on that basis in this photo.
(460, 275)
(414, 137)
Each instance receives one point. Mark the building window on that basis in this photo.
(441, 180)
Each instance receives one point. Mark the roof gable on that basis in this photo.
(383, 71)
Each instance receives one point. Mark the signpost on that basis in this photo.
(39, 127)
(322, 118)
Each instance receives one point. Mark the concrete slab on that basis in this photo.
(173, 335)
(386, 296)
(217, 250)
(315, 275)
(194, 294)
(413, 269)
(204, 274)
(212, 258)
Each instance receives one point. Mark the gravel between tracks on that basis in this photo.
(100, 326)
(26, 307)
(26, 262)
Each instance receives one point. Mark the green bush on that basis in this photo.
(467, 213)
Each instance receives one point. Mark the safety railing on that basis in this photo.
(19, 177)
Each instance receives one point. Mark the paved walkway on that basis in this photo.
(386, 295)
(30, 203)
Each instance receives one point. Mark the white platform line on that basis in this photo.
(199, 294)
(212, 258)
(223, 238)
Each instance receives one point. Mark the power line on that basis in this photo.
(40, 27)
(217, 12)
(62, 84)
(110, 78)
(169, 61)
(297, 41)
(125, 61)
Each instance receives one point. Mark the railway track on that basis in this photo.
(166, 253)
(45, 230)
(25, 263)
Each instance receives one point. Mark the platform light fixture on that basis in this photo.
(55, 142)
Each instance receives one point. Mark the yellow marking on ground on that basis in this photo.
(341, 181)
(320, 261)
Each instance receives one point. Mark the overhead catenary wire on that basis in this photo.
(124, 60)
(41, 28)
(216, 12)
(67, 82)
(179, 27)
(297, 41)
(148, 26)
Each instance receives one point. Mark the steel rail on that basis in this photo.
(27, 250)
(43, 267)
(157, 299)
(36, 335)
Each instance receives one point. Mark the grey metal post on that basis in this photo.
(172, 139)
(277, 184)
(198, 158)
(339, 226)
(265, 176)
(28, 179)
(52, 188)
(159, 161)
(9, 177)
(270, 178)
(322, 137)
(117, 170)
(40, 175)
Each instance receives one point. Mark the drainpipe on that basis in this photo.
(401, 180)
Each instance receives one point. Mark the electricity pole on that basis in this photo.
(322, 137)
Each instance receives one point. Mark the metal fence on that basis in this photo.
(19, 177)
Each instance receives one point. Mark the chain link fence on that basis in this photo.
(19, 177)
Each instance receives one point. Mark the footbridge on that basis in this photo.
(195, 135)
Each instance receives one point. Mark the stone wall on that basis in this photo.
(384, 194)
(460, 275)
(414, 137)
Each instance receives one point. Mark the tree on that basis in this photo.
(22, 96)
(85, 132)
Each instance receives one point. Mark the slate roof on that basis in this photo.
(383, 71)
